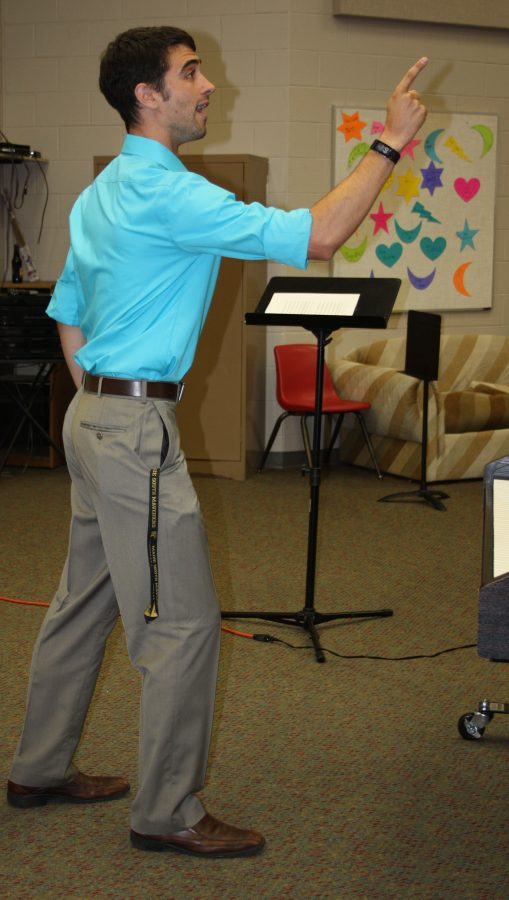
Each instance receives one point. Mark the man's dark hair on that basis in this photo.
(137, 55)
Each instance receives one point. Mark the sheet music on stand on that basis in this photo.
(315, 304)
(326, 303)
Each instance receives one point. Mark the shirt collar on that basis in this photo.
(135, 145)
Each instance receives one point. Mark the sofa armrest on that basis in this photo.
(396, 398)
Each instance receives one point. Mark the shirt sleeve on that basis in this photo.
(206, 218)
(64, 305)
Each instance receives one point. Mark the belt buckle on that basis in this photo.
(180, 390)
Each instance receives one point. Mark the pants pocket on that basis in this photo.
(158, 443)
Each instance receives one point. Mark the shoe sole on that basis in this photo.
(30, 801)
(145, 843)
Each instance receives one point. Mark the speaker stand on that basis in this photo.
(434, 498)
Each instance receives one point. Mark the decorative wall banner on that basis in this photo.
(433, 223)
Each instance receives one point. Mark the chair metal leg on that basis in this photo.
(335, 432)
(305, 438)
(272, 438)
(367, 438)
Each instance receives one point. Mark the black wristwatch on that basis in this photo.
(385, 150)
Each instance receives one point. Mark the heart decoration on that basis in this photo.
(389, 255)
(467, 189)
(433, 248)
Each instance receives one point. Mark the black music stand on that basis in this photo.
(421, 361)
(311, 303)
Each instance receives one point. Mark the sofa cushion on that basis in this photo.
(463, 358)
(474, 411)
(485, 388)
(396, 398)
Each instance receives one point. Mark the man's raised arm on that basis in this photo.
(337, 215)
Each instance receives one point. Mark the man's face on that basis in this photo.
(185, 97)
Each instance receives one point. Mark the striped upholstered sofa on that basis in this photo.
(468, 424)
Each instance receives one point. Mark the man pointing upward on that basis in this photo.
(146, 241)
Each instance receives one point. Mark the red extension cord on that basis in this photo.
(42, 603)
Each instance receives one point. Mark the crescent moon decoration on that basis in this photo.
(353, 254)
(457, 279)
(487, 137)
(408, 236)
(429, 144)
(358, 151)
(421, 283)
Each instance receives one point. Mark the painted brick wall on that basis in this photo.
(279, 67)
(50, 53)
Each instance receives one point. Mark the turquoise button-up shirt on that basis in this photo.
(146, 240)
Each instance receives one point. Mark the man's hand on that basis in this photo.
(72, 339)
(405, 112)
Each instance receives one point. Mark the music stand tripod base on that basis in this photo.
(432, 497)
(369, 302)
(308, 619)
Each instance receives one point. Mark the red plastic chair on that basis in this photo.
(295, 392)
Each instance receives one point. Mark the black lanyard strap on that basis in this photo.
(152, 611)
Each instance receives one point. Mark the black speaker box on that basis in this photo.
(423, 345)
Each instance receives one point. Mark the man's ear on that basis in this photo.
(146, 95)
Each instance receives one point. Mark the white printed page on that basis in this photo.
(312, 304)
(500, 526)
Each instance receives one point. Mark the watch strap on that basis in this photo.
(385, 150)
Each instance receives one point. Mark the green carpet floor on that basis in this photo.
(353, 769)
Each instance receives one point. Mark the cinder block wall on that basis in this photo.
(279, 67)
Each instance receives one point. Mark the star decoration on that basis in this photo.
(408, 149)
(431, 178)
(380, 218)
(408, 185)
(351, 126)
(388, 183)
(466, 236)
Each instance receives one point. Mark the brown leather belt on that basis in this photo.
(127, 387)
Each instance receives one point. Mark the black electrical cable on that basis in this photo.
(24, 192)
(17, 197)
(366, 656)
(43, 214)
(270, 639)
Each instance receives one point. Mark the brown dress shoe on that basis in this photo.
(208, 838)
(82, 789)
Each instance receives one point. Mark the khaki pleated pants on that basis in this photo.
(112, 444)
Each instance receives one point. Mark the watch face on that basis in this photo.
(386, 151)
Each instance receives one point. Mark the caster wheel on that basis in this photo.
(469, 730)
